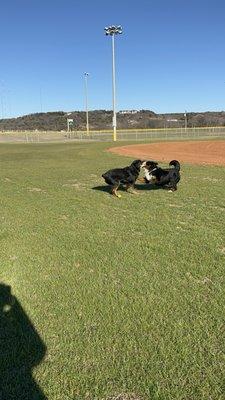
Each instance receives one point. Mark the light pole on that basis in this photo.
(2, 93)
(86, 74)
(112, 31)
(185, 120)
(41, 104)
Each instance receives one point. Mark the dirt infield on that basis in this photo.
(193, 152)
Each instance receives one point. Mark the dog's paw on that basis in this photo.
(142, 180)
(134, 192)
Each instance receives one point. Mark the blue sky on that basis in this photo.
(170, 57)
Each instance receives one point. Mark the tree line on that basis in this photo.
(102, 119)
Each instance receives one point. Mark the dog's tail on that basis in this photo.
(175, 164)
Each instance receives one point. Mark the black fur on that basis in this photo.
(167, 178)
(123, 176)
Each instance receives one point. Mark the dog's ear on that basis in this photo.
(154, 164)
(151, 162)
(137, 162)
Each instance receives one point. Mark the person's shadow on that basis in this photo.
(21, 349)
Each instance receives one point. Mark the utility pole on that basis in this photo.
(86, 74)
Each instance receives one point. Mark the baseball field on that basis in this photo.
(112, 298)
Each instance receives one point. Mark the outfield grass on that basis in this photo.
(126, 295)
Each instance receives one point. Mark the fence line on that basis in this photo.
(107, 135)
(153, 134)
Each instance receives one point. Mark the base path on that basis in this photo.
(193, 152)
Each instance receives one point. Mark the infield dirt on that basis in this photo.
(193, 152)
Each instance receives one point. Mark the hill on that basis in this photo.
(102, 119)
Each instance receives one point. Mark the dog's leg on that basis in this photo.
(131, 186)
(172, 187)
(114, 191)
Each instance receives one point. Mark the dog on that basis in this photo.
(166, 178)
(123, 176)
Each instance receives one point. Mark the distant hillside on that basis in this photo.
(102, 119)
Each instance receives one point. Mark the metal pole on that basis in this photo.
(185, 121)
(2, 98)
(114, 89)
(112, 31)
(2, 106)
(68, 129)
(41, 105)
(86, 101)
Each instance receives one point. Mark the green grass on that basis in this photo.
(125, 295)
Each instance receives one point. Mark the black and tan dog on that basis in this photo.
(123, 176)
(167, 178)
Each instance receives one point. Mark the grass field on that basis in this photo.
(126, 295)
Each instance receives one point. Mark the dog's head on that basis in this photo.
(149, 168)
(138, 164)
(150, 165)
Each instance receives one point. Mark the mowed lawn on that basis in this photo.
(112, 296)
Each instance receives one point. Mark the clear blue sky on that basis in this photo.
(170, 57)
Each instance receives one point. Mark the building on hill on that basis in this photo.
(128, 112)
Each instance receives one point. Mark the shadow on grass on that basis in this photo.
(106, 188)
(21, 350)
(146, 187)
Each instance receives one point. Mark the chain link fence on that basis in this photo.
(156, 134)
(107, 136)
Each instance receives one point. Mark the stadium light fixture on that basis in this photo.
(86, 74)
(112, 31)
